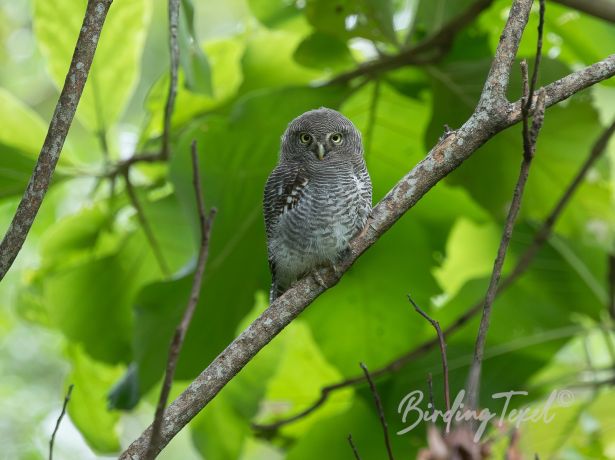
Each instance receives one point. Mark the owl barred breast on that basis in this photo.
(317, 198)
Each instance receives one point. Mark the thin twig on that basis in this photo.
(442, 342)
(55, 430)
(529, 147)
(611, 284)
(173, 72)
(61, 120)
(380, 409)
(430, 390)
(164, 154)
(354, 448)
(523, 263)
(180, 332)
(145, 225)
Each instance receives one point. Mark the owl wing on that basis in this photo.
(283, 192)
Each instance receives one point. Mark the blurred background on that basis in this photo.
(95, 294)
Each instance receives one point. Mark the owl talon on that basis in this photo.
(319, 280)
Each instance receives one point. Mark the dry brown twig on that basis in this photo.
(354, 448)
(442, 342)
(69, 392)
(380, 410)
(175, 347)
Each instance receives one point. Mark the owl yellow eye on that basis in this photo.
(336, 138)
(305, 138)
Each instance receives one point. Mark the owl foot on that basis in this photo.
(319, 280)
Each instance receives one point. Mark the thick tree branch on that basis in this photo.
(95, 14)
(205, 221)
(523, 263)
(603, 9)
(447, 155)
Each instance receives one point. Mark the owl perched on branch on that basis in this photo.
(317, 198)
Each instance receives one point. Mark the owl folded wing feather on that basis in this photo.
(283, 192)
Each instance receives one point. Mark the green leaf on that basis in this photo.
(224, 57)
(115, 69)
(432, 15)
(321, 51)
(88, 406)
(274, 49)
(371, 19)
(274, 13)
(20, 127)
(194, 62)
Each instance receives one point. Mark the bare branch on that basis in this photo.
(523, 263)
(611, 285)
(55, 430)
(380, 409)
(95, 14)
(180, 332)
(447, 155)
(165, 150)
(603, 9)
(354, 448)
(529, 147)
(174, 52)
(442, 341)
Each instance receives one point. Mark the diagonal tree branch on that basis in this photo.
(523, 263)
(448, 154)
(95, 14)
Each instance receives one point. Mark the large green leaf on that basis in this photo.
(372, 19)
(88, 407)
(115, 69)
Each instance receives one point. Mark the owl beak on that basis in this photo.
(320, 152)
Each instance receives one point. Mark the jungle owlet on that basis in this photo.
(317, 198)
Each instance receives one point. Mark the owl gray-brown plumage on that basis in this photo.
(317, 198)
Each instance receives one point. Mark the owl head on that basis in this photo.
(321, 136)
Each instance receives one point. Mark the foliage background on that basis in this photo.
(89, 303)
